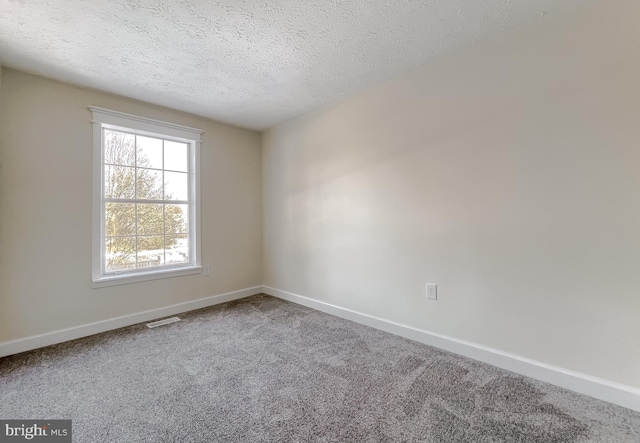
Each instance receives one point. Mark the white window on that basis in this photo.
(145, 199)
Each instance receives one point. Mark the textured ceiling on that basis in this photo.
(249, 63)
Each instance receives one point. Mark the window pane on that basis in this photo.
(119, 219)
(175, 156)
(150, 219)
(150, 251)
(120, 253)
(149, 153)
(176, 219)
(119, 148)
(177, 249)
(176, 186)
(149, 184)
(119, 182)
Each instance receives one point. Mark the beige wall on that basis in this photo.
(45, 210)
(508, 174)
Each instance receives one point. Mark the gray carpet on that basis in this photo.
(261, 369)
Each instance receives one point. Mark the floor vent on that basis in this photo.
(166, 321)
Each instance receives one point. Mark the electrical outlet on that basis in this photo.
(432, 291)
(206, 270)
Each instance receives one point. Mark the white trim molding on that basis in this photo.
(154, 275)
(599, 388)
(139, 126)
(144, 124)
(622, 395)
(62, 335)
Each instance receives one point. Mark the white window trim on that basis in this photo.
(106, 118)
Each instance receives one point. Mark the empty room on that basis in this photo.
(320, 221)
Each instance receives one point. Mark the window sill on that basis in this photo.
(123, 279)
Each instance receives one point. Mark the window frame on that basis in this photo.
(119, 121)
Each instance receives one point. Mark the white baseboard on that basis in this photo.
(62, 335)
(599, 388)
